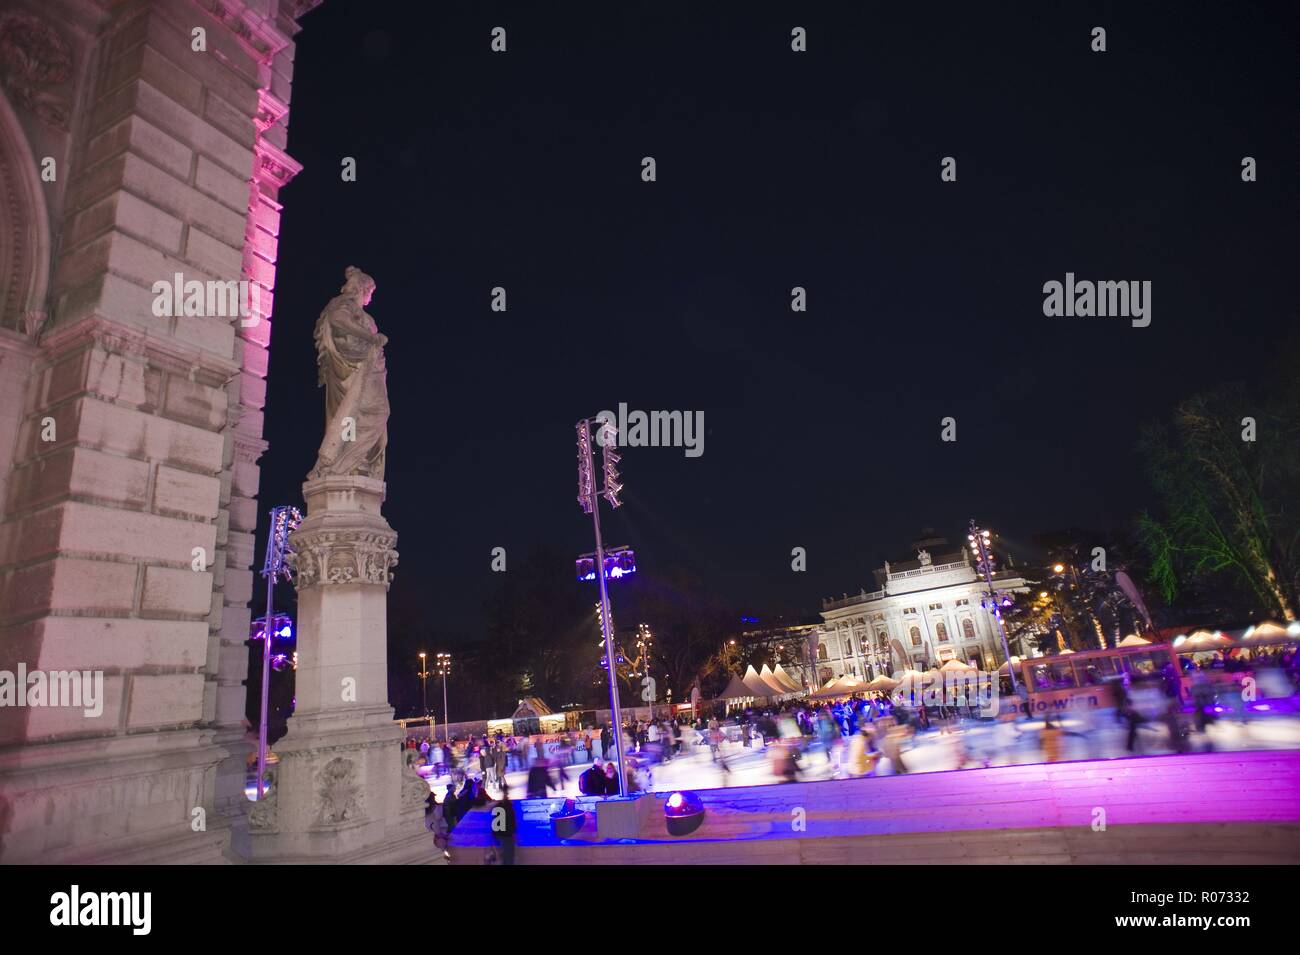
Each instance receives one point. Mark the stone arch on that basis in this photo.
(25, 237)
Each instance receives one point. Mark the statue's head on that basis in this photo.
(359, 285)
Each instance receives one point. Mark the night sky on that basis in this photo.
(776, 169)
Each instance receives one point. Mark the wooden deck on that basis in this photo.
(1202, 808)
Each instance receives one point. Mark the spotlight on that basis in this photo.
(683, 813)
(568, 820)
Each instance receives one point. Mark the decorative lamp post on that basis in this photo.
(424, 681)
(993, 599)
(444, 667)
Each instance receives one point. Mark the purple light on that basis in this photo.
(683, 813)
(619, 562)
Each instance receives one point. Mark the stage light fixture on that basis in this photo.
(568, 820)
(683, 813)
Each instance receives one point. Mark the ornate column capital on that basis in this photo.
(357, 556)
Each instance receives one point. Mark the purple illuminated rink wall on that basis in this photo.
(1207, 807)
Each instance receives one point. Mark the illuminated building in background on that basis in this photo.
(923, 612)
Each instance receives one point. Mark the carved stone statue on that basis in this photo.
(924, 557)
(350, 360)
(338, 792)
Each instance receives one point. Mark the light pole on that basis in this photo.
(284, 521)
(993, 599)
(424, 682)
(590, 503)
(444, 667)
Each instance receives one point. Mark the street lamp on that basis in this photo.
(444, 667)
(424, 682)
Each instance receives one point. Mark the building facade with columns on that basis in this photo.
(923, 612)
(138, 139)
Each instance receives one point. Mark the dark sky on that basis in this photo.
(776, 169)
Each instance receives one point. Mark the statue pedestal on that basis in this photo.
(343, 790)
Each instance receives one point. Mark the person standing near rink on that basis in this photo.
(500, 764)
(690, 736)
(504, 827)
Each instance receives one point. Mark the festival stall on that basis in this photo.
(769, 679)
(758, 689)
(784, 678)
(736, 693)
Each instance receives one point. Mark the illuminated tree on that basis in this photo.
(1228, 497)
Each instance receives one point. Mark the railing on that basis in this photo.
(862, 597)
(933, 568)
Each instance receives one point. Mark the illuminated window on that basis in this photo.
(968, 629)
(915, 633)
(941, 630)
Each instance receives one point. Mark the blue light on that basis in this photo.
(619, 562)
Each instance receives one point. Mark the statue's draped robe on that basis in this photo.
(355, 376)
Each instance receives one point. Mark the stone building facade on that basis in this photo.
(923, 612)
(139, 140)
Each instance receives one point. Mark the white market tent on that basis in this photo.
(841, 686)
(1204, 640)
(784, 678)
(1133, 640)
(757, 688)
(908, 674)
(827, 688)
(1269, 630)
(769, 678)
(736, 690)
